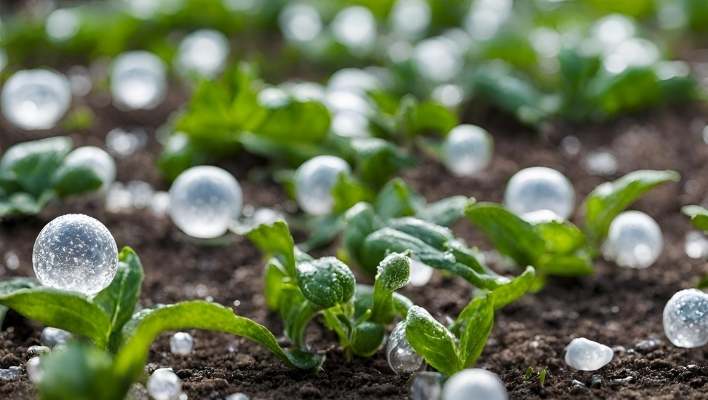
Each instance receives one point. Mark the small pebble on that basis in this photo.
(181, 343)
(10, 374)
(34, 369)
(38, 350)
(586, 355)
(164, 384)
(596, 381)
(426, 385)
(686, 318)
(474, 384)
(52, 337)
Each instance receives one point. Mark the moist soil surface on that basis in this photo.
(618, 307)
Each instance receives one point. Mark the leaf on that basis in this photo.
(139, 333)
(444, 212)
(476, 329)
(367, 338)
(514, 289)
(294, 121)
(434, 235)
(179, 154)
(323, 230)
(609, 199)
(32, 164)
(275, 240)
(275, 277)
(377, 160)
(360, 221)
(432, 341)
(72, 180)
(576, 264)
(393, 274)
(119, 299)
(396, 199)
(326, 281)
(347, 191)
(561, 237)
(511, 235)
(698, 215)
(429, 116)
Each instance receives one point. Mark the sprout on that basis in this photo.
(474, 384)
(95, 159)
(314, 181)
(35, 99)
(164, 384)
(686, 318)
(203, 53)
(539, 188)
(467, 150)
(634, 240)
(181, 343)
(300, 23)
(586, 355)
(326, 281)
(400, 355)
(205, 201)
(75, 252)
(138, 80)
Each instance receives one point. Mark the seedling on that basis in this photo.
(699, 219)
(34, 173)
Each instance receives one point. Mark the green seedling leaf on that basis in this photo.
(275, 240)
(73, 180)
(444, 212)
(393, 274)
(432, 234)
(326, 281)
(561, 237)
(367, 338)
(698, 215)
(32, 164)
(476, 329)
(378, 160)
(348, 191)
(275, 278)
(609, 199)
(396, 199)
(360, 221)
(432, 341)
(179, 154)
(576, 264)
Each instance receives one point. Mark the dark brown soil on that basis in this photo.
(618, 307)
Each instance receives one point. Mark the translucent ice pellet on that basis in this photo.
(300, 22)
(35, 98)
(539, 188)
(34, 371)
(586, 355)
(164, 384)
(237, 396)
(314, 180)
(52, 337)
(95, 159)
(426, 385)
(410, 18)
(467, 150)
(355, 28)
(138, 80)
(202, 53)
(634, 240)
(420, 274)
(400, 355)
(686, 318)
(181, 343)
(474, 384)
(62, 24)
(438, 59)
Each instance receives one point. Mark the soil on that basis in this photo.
(618, 307)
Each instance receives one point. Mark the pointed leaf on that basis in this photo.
(476, 329)
(393, 274)
(432, 341)
(275, 240)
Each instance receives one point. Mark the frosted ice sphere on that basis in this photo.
(420, 274)
(75, 252)
(474, 384)
(486, 17)
(237, 396)
(438, 59)
(586, 355)
(344, 100)
(97, 160)
(601, 163)
(203, 52)
(686, 318)
(124, 143)
(34, 371)
(314, 180)
(448, 94)
(539, 188)
(350, 124)
(62, 24)
(353, 80)
(35, 98)
(52, 337)
(300, 22)
(205, 201)
(426, 385)
(410, 18)
(400, 355)
(181, 343)
(138, 80)
(355, 28)
(634, 240)
(696, 245)
(467, 150)
(164, 384)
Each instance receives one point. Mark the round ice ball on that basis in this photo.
(75, 252)
(314, 180)
(400, 355)
(204, 201)
(164, 384)
(634, 240)
(686, 318)
(97, 160)
(203, 53)
(35, 98)
(474, 384)
(138, 80)
(539, 188)
(467, 150)
(586, 355)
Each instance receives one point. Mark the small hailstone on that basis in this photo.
(52, 337)
(75, 252)
(34, 369)
(467, 150)
(474, 384)
(237, 396)
(164, 384)
(426, 385)
(350, 124)
(181, 343)
(570, 145)
(204, 201)
(696, 245)
(118, 199)
(80, 80)
(138, 80)
(35, 98)
(448, 94)
(586, 355)
(400, 355)
(438, 59)
(410, 18)
(62, 24)
(124, 143)
(486, 17)
(686, 318)
(353, 80)
(12, 261)
(314, 180)
(300, 22)
(420, 274)
(38, 350)
(95, 159)
(160, 204)
(355, 28)
(602, 163)
(541, 216)
(540, 188)
(10, 374)
(203, 53)
(634, 240)
(141, 194)
(633, 52)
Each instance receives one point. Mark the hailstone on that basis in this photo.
(35, 98)
(539, 188)
(420, 273)
(164, 384)
(474, 384)
(467, 150)
(203, 53)
(686, 318)
(95, 159)
(586, 355)
(400, 355)
(75, 252)
(181, 343)
(205, 201)
(314, 180)
(138, 80)
(634, 240)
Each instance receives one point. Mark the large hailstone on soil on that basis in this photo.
(686, 318)
(474, 384)
(539, 188)
(75, 252)
(586, 355)
(35, 98)
(634, 240)
(205, 201)
(314, 181)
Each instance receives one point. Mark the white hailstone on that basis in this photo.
(602, 163)
(539, 188)
(400, 355)
(341, 100)
(10, 374)
(62, 24)
(35, 98)
(634, 240)
(306, 91)
(438, 59)
(204, 201)
(181, 343)
(426, 385)
(486, 17)
(75, 252)
(164, 384)
(467, 150)
(34, 369)
(541, 216)
(314, 180)
(696, 245)
(95, 159)
(353, 80)
(138, 80)
(448, 94)
(52, 337)
(80, 81)
(300, 22)
(633, 52)
(124, 143)
(12, 260)
(237, 396)
(350, 124)
(420, 273)
(474, 384)
(203, 53)
(410, 18)
(355, 28)
(586, 355)
(570, 145)
(613, 29)
(37, 350)
(686, 318)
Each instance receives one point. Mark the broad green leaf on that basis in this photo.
(430, 116)
(24, 204)
(396, 199)
(360, 221)
(294, 121)
(73, 180)
(576, 264)
(609, 199)
(367, 338)
(275, 240)
(393, 274)
(323, 230)
(432, 341)
(511, 235)
(476, 329)
(326, 281)
(561, 237)
(630, 90)
(444, 212)
(32, 164)
(348, 191)
(377, 160)
(432, 234)
(698, 215)
(514, 289)
(275, 278)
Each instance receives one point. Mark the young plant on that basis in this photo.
(34, 173)
(699, 219)
(121, 337)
